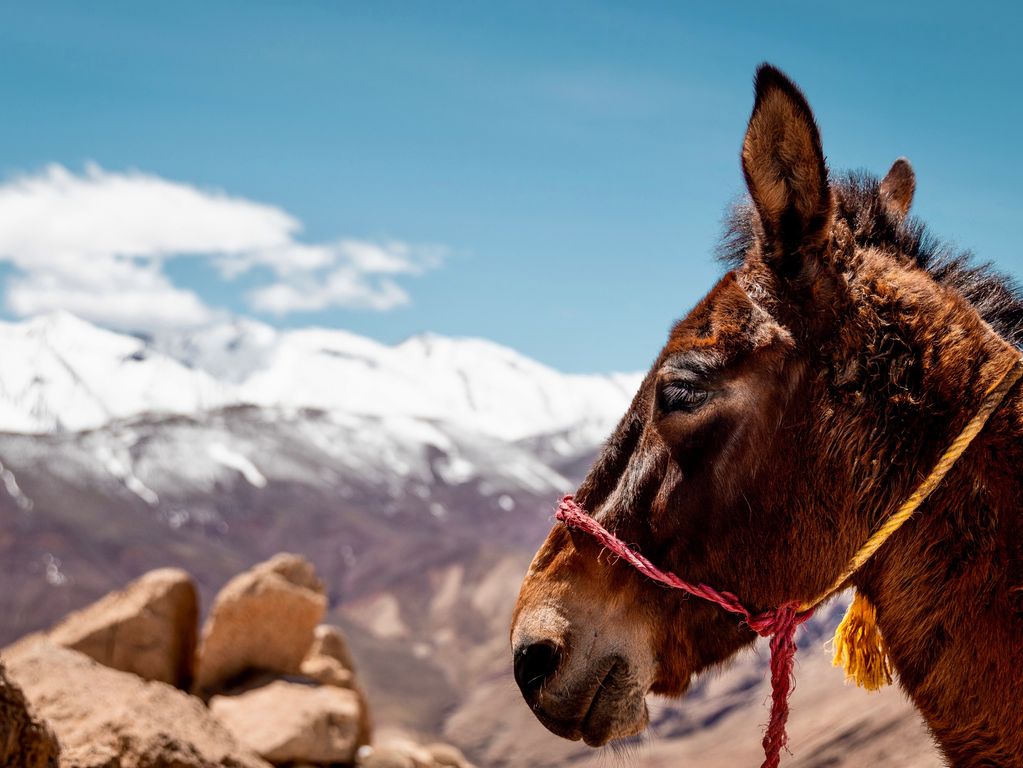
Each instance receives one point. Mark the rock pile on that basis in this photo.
(122, 684)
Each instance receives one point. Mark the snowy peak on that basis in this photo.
(66, 374)
(230, 351)
(475, 384)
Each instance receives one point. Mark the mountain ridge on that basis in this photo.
(75, 376)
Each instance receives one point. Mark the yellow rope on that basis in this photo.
(859, 647)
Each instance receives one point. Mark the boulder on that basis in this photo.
(25, 740)
(148, 628)
(327, 671)
(290, 722)
(330, 641)
(385, 757)
(399, 752)
(397, 748)
(104, 718)
(262, 619)
(447, 756)
(329, 661)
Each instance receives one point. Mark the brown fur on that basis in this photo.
(840, 356)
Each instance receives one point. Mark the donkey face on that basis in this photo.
(713, 472)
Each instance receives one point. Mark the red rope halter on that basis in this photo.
(779, 623)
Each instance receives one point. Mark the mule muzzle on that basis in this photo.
(597, 701)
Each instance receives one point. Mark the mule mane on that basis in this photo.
(997, 297)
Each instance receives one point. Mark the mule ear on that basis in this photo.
(785, 171)
(897, 188)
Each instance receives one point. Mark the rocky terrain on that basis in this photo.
(417, 480)
(123, 683)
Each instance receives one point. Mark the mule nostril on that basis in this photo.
(534, 664)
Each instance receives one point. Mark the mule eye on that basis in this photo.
(681, 396)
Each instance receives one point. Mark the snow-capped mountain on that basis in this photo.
(476, 384)
(241, 402)
(63, 374)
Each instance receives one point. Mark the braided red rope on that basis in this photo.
(779, 624)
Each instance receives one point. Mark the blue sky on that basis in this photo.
(548, 176)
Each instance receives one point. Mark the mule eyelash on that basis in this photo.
(681, 396)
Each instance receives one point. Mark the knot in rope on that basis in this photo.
(779, 619)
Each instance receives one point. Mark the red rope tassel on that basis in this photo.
(783, 652)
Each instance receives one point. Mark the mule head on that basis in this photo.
(714, 472)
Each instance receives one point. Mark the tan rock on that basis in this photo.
(393, 743)
(330, 641)
(148, 628)
(105, 718)
(288, 722)
(262, 619)
(447, 755)
(386, 757)
(327, 671)
(25, 740)
(329, 661)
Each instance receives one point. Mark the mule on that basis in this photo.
(790, 412)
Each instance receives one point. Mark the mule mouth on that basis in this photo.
(595, 726)
(613, 708)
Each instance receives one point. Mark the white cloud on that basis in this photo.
(355, 273)
(392, 258)
(137, 298)
(96, 243)
(342, 287)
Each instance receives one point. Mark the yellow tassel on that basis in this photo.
(859, 646)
